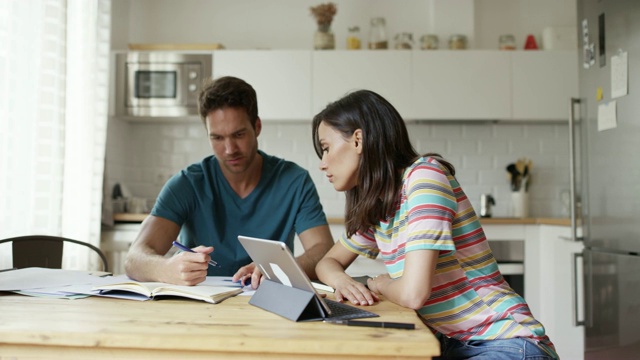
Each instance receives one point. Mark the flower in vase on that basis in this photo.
(324, 14)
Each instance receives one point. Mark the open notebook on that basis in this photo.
(287, 290)
(135, 290)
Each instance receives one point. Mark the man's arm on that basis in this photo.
(146, 261)
(316, 242)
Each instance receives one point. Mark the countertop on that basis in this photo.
(136, 218)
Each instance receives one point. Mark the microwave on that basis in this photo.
(160, 84)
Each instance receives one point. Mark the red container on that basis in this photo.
(531, 44)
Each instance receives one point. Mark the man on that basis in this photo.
(239, 190)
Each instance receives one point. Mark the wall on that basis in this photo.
(287, 24)
(143, 156)
(150, 153)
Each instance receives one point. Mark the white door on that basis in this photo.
(543, 84)
(462, 84)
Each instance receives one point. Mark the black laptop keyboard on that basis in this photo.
(341, 311)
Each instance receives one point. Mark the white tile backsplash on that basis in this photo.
(143, 156)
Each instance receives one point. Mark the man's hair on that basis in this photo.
(228, 91)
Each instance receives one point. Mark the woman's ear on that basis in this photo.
(357, 140)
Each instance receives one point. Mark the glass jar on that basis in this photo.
(378, 34)
(353, 38)
(457, 42)
(429, 42)
(323, 39)
(507, 42)
(404, 41)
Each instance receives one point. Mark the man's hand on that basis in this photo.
(187, 268)
(248, 272)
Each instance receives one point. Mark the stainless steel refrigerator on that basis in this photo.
(605, 128)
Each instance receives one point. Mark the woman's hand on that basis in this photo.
(376, 283)
(248, 273)
(353, 291)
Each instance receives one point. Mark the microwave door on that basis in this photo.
(154, 85)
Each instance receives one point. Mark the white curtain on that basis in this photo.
(54, 65)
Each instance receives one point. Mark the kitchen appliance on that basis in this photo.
(160, 84)
(486, 201)
(605, 176)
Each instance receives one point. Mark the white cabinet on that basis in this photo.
(543, 84)
(281, 78)
(551, 277)
(461, 85)
(115, 243)
(560, 277)
(387, 72)
(422, 85)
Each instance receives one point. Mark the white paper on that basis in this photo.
(43, 278)
(607, 116)
(619, 75)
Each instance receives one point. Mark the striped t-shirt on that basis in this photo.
(470, 299)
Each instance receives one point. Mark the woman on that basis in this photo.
(411, 210)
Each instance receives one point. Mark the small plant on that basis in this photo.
(324, 13)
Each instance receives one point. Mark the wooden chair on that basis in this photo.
(44, 251)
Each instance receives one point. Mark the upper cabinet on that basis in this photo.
(458, 84)
(422, 85)
(543, 84)
(387, 72)
(281, 78)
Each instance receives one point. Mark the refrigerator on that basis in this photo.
(605, 176)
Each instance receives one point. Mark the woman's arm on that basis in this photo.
(413, 288)
(330, 270)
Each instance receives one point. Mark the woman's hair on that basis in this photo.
(228, 91)
(387, 151)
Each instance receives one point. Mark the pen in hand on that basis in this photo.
(184, 248)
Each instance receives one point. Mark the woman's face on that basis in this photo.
(340, 156)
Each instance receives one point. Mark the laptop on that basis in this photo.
(287, 290)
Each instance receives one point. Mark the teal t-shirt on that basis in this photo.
(210, 213)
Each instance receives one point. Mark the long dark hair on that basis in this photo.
(387, 151)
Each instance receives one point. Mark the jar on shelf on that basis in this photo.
(507, 42)
(429, 42)
(323, 39)
(457, 42)
(404, 41)
(378, 34)
(353, 38)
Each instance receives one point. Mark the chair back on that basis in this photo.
(44, 251)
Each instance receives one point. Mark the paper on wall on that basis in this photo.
(607, 116)
(619, 75)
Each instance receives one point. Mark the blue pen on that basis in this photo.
(184, 248)
(247, 282)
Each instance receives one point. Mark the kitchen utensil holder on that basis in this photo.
(520, 204)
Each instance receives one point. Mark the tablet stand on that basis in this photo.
(286, 301)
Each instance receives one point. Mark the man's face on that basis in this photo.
(233, 140)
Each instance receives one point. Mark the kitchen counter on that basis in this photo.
(498, 221)
(137, 218)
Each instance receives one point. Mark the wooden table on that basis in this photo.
(101, 328)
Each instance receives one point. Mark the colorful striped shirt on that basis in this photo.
(470, 300)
